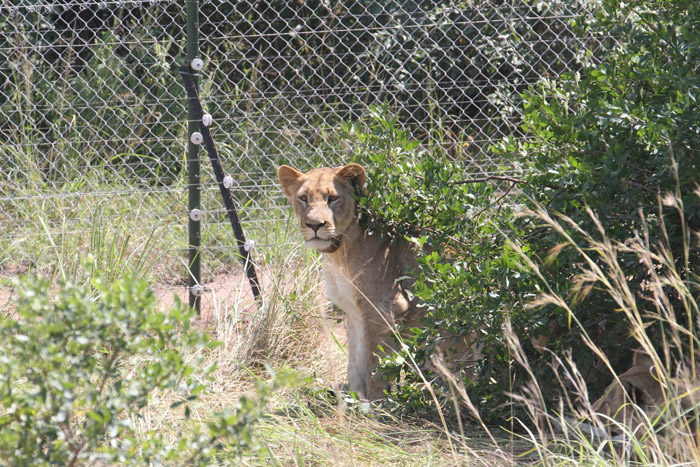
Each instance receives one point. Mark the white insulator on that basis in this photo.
(196, 138)
(207, 120)
(228, 182)
(249, 245)
(197, 64)
(196, 215)
(197, 290)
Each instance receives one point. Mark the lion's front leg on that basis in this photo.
(363, 338)
(357, 355)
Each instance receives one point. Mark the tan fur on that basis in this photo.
(638, 385)
(642, 386)
(360, 270)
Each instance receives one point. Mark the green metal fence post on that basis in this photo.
(193, 165)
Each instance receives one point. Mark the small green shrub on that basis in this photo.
(79, 366)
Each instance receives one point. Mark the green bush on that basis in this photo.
(617, 138)
(416, 193)
(613, 138)
(79, 366)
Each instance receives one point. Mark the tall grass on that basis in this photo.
(648, 419)
(648, 415)
(290, 329)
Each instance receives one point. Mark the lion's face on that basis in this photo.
(323, 201)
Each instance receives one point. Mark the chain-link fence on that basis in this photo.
(93, 120)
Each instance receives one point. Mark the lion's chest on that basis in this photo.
(340, 290)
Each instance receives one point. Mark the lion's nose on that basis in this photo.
(315, 227)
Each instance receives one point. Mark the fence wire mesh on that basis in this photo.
(93, 123)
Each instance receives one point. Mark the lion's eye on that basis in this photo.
(303, 198)
(332, 198)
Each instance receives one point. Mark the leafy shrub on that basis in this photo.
(416, 193)
(616, 138)
(613, 138)
(78, 368)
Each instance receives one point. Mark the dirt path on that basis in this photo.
(225, 290)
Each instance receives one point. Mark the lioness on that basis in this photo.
(360, 270)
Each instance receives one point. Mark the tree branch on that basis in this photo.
(492, 177)
(500, 198)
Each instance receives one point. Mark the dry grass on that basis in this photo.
(655, 422)
(307, 427)
(326, 435)
(291, 328)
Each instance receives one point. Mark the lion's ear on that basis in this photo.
(287, 176)
(353, 173)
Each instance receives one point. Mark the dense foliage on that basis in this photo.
(416, 193)
(613, 137)
(88, 85)
(616, 138)
(78, 368)
(458, 57)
